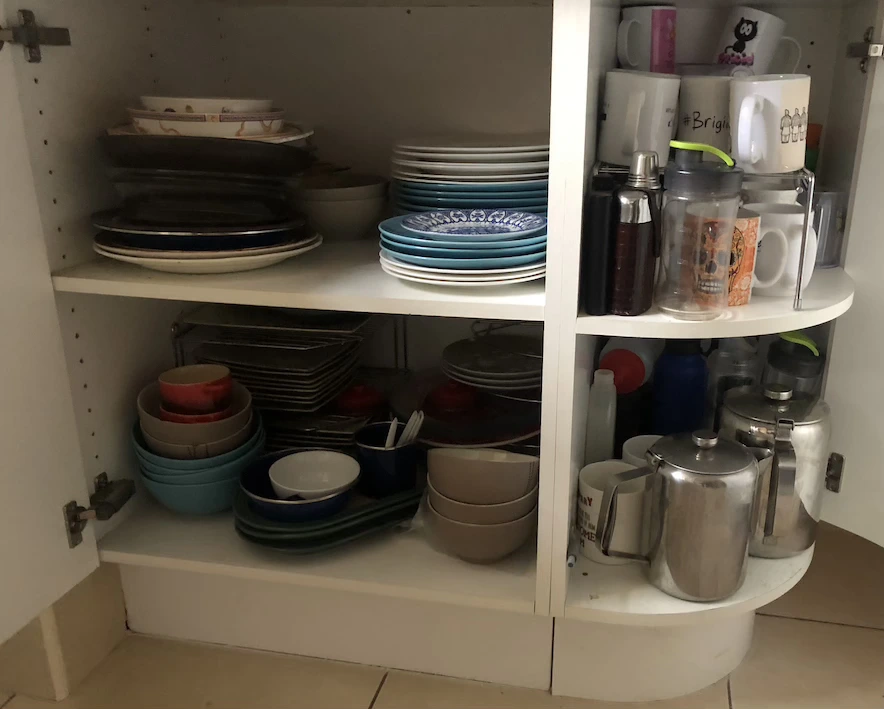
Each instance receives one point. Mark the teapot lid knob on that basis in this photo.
(777, 392)
(705, 439)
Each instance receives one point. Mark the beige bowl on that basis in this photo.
(198, 451)
(482, 476)
(481, 514)
(480, 543)
(192, 434)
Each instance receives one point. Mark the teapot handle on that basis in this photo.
(608, 513)
(782, 476)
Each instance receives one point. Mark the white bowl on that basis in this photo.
(207, 125)
(313, 474)
(344, 220)
(206, 105)
(342, 187)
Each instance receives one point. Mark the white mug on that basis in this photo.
(646, 39)
(635, 448)
(591, 484)
(750, 38)
(779, 249)
(769, 122)
(639, 113)
(704, 111)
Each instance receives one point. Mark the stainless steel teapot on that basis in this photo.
(698, 516)
(790, 435)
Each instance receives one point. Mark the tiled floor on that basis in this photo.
(824, 651)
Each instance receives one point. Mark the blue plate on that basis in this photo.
(448, 188)
(474, 222)
(465, 250)
(479, 201)
(414, 240)
(466, 264)
(394, 227)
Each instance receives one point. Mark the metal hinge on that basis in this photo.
(32, 36)
(835, 472)
(108, 499)
(865, 50)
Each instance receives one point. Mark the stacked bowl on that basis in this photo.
(343, 206)
(481, 502)
(196, 433)
(465, 248)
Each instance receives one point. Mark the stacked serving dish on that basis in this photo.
(465, 248)
(300, 525)
(195, 434)
(199, 196)
(481, 503)
(465, 172)
(502, 364)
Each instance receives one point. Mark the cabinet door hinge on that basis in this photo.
(865, 50)
(108, 499)
(31, 36)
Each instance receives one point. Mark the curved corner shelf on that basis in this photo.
(829, 295)
(621, 595)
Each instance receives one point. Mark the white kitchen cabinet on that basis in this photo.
(365, 72)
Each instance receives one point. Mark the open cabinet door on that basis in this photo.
(855, 384)
(41, 468)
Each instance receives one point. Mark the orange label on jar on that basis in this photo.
(710, 245)
(742, 267)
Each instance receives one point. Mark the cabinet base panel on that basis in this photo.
(470, 643)
(638, 664)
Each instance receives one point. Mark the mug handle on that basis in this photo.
(781, 266)
(797, 45)
(809, 255)
(749, 108)
(623, 44)
(604, 529)
(633, 121)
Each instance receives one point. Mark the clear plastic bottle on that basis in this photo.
(734, 364)
(601, 418)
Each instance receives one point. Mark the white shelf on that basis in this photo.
(344, 276)
(829, 295)
(397, 563)
(622, 595)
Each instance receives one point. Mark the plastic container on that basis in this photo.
(631, 359)
(700, 205)
(601, 418)
(734, 364)
(679, 388)
(795, 361)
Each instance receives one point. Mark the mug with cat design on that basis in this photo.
(750, 39)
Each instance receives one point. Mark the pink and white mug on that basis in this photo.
(646, 39)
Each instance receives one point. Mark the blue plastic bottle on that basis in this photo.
(680, 378)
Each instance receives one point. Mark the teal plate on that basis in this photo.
(473, 188)
(464, 251)
(412, 240)
(466, 264)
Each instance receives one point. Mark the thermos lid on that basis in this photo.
(702, 452)
(774, 402)
(644, 170)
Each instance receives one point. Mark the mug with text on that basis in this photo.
(591, 483)
(779, 249)
(704, 112)
(750, 38)
(646, 39)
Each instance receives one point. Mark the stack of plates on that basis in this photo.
(284, 379)
(460, 248)
(497, 363)
(465, 172)
(332, 431)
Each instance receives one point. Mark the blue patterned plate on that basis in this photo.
(449, 187)
(394, 227)
(467, 264)
(474, 222)
(414, 240)
(517, 203)
(465, 252)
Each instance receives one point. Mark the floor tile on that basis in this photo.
(843, 585)
(797, 664)
(163, 674)
(409, 690)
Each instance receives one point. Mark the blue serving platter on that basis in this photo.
(474, 188)
(466, 251)
(466, 264)
(394, 227)
(474, 222)
(414, 240)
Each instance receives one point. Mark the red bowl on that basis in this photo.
(176, 417)
(453, 397)
(196, 388)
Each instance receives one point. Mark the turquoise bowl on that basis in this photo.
(231, 468)
(199, 478)
(205, 499)
(170, 466)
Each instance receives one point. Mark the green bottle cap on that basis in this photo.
(799, 338)
(703, 148)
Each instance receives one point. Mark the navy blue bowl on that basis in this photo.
(255, 483)
(384, 472)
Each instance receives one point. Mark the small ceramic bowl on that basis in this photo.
(190, 419)
(198, 451)
(344, 220)
(481, 514)
(480, 543)
(165, 465)
(482, 476)
(196, 389)
(184, 104)
(202, 499)
(311, 475)
(385, 472)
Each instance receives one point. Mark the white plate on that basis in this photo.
(464, 284)
(503, 272)
(206, 105)
(465, 168)
(477, 143)
(539, 178)
(526, 156)
(234, 264)
(204, 255)
(466, 278)
(290, 132)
